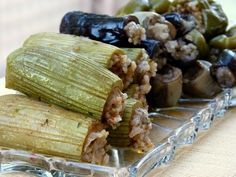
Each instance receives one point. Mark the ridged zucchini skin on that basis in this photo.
(120, 136)
(96, 51)
(30, 125)
(62, 78)
(135, 54)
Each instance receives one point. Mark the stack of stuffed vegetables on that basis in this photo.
(92, 84)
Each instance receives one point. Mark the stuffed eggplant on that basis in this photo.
(182, 23)
(104, 28)
(224, 70)
(156, 26)
(182, 53)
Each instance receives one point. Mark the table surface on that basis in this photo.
(212, 155)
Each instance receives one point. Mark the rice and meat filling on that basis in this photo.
(135, 32)
(134, 129)
(140, 129)
(180, 50)
(114, 107)
(122, 66)
(158, 28)
(145, 70)
(95, 148)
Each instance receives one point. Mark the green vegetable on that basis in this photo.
(134, 6)
(62, 78)
(210, 17)
(27, 124)
(224, 42)
(199, 40)
(160, 6)
(108, 56)
(214, 19)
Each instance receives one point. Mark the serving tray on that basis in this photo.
(173, 128)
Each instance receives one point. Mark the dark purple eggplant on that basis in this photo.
(104, 28)
(224, 70)
(151, 46)
(166, 87)
(182, 23)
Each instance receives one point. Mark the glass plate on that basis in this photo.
(172, 128)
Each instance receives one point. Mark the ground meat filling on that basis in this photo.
(122, 66)
(95, 148)
(180, 50)
(140, 130)
(114, 107)
(135, 32)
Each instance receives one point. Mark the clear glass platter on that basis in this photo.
(172, 129)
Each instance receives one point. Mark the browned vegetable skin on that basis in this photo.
(166, 87)
(198, 82)
(27, 124)
(134, 129)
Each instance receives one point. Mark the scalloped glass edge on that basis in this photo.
(183, 130)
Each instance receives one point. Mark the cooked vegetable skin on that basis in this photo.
(198, 39)
(183, 53)
(108, 56)
(223, 42)
(146, 69)
(152, 47)
(224, 70)
(133, 6)
(210, 17)
(166, 87)
(182, 23)
(68, 80)
(160, 6)
(134, 129)
(104, 28)
(198, 82)
(27, 124)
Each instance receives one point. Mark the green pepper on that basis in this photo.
(214, 19)
(134, 6)
(224, 42)
(160, 6)
(199, 40)
(210, 17)
(231, 31)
